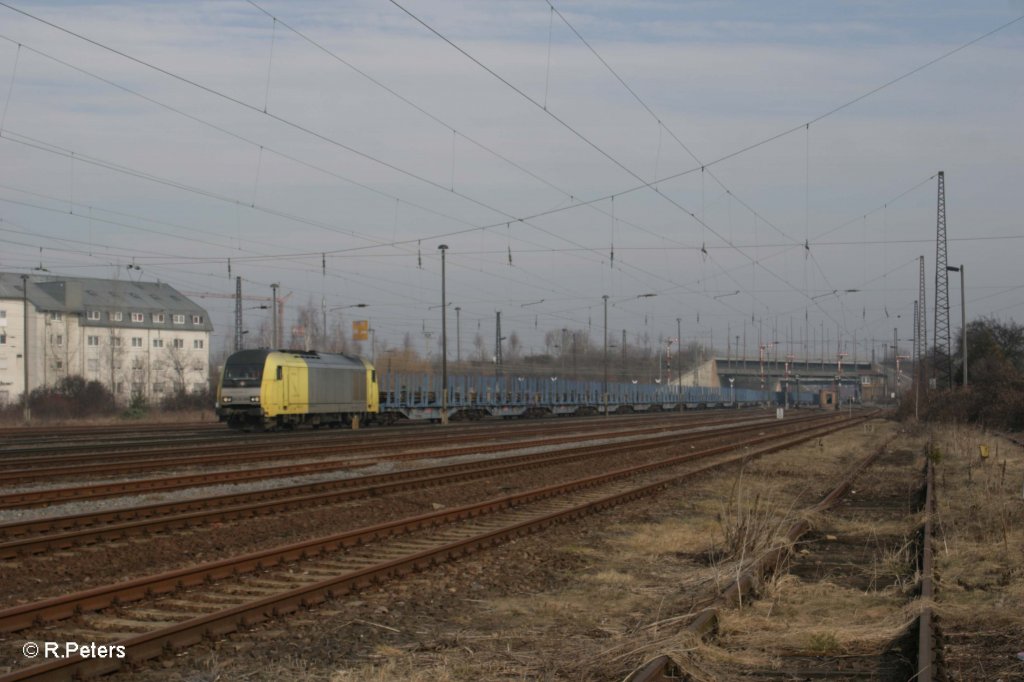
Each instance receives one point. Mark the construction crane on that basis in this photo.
(238, 315)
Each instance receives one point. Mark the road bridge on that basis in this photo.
(861, 380)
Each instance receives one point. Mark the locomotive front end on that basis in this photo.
(239, 395)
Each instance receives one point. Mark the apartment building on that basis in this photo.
(138, 338)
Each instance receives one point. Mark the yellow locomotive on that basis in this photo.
(267, 389)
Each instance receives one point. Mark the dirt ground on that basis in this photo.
(586, 601)
(595, 599)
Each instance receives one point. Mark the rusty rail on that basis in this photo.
(149, 645)
(91, 527)
(926, 638)
(706, 622)
(134, 486)
(231, 442)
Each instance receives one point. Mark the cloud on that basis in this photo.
(719, 76)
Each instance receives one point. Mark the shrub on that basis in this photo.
(72, 397)
(182, 400)
(994, 406)
(138, 407)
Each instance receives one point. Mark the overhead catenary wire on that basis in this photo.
(484, 227)
(650, 184)
(623, 248)
(253, 205)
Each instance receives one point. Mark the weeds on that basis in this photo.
(895, 565)
(749, 526)
(824, 643)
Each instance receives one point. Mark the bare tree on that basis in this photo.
(552, 340)
(337, 338)
(480, 348)
(264, 336)
(307, 332)
(514, 349)
(177, 365)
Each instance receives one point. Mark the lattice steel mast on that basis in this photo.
(238, 313)
(498, 369)
(943, 354)
(921, 333)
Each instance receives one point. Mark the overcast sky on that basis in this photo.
(740, 160)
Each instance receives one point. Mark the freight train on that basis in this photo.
(264, 389)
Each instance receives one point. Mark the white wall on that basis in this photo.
(61, 347)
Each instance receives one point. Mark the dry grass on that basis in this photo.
(802, 616)
(752, 522)
(654, 541)
(980, 552)
(982, 496)
(441, 669)
(895, 566)
(635, 586)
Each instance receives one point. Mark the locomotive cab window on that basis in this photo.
(280, 372)
(242, 375)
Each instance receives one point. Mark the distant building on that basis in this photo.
(137, 338)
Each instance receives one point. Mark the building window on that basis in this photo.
(138, 317)
(136, 342)
(158, 343)
(93, 364)
(116, 316)
(59, 364)
(3, 314)
(3, 338)
(198, 344)
(159, 318)
(120, 387)
(197, 319)
(179, 343)
(158, 387)
(93, 315)
(94, 341)
(137, 363)
(179, 319)
(116, 340)
(57, 339)
(56, 317)
(198, 388)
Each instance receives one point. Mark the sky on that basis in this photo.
(767, 171)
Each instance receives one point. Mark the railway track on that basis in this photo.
(269, 583)
(39, 535)
(39, 468)
(31, 436)
(838, 565)
(87, 443)
(98, 490)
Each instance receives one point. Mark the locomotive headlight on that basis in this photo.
(226, 399)
(254, 399)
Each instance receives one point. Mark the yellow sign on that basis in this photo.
(983, 451)
(360, 330)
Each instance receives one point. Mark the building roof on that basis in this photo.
(78, 295)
